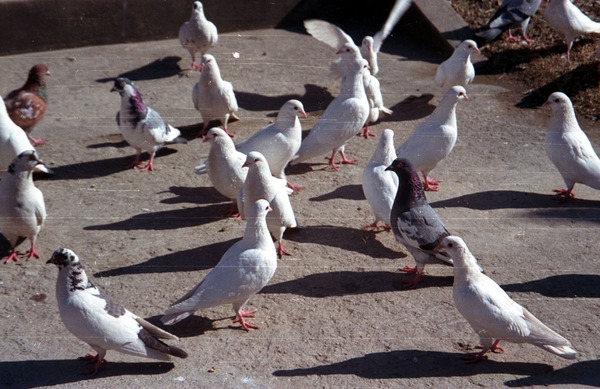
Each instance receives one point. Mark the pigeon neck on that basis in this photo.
(137, 104)
(256, 229)
(464, 265)
(353, 84)
(210, 76)
(224, 146)
(564, 119)
(414, 188)
(445, 112)
(71, 279)
(23, 179)
(34, 82)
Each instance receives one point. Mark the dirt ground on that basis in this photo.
(335, 314)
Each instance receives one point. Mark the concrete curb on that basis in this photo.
(40, 25)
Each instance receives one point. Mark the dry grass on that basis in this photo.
(541, 65)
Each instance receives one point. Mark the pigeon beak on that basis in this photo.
(547, 102)
(388, 168)
(477, 51)
(246, 164)
(200, 67)
(304, 114)
(205, 139)
(48, 73)
(114, 89)
(466, 97)
(439, 247)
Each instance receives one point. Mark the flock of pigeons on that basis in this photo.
(251, 174)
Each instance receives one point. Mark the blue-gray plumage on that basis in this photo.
(511, 14)
(142, 127)
(414, 223)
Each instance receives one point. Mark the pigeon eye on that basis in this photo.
(256, 160)
(450, 245)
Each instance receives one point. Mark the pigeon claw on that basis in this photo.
(374, 226)
(281, 251)
(472, 358)
(431, 184)
(11, 257)
(98, 363)
(239, 318)
(295, 188)
(35, 141)
(366, 133)
(563, 195)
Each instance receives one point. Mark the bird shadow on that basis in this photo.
(101, 168)
(416, 364)
(411, 108)
(564, 285)
(504, 199)
(349, 239)
(315, 98)
(346, 192)
(342, 283)
(199, 258)
(110, 140)
(164, 220)
(195, 195)
(160, 68)
(187, 328)
(583, 77)
(583, 373)
(18, 374)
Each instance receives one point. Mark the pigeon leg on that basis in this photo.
(31, 253)
(366, 133)
(332, 161)
(96, 360)
(11, 257)
(281, 251)
(511, 37)
(35, 141)
(375, 227)
(345, 160)
(527, 39)
(430, 184)
(135, 162)
(204, 129)
(563, 195)
(239, 318)
(472, 358)
(231, 211)
(148, 166)
(412, 283)
(494, 347)
(295, 188)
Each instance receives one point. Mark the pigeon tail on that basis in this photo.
(563, 351)
(488, 34)
(175, 317)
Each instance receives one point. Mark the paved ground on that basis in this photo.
(335, 314)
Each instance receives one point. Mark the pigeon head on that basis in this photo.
(367, 43)
(25, 162)
(452, 246)
(558, 101)
(215, 134)
(408, 177)
(197, 7)
(123, 85)
(208, 63)
(260, 208)
(469, 46)
(294, 107)
(456, 93)
(37, 76)
(255, 158)
(64, 258)
(349, 49)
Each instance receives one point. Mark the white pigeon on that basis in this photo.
(344, 117)
(260, 184)
(569, 148)
(22, 207)
(492, 314)
(335, 37)
(13, 143)
(142, 127)
(434, 138)
(458, 69)
(568, 20)
(198, 34)
(97, 319)
(380, 186)
(224, 165)
(242, 272)
(373, 91)
(278, 142)
(212, 96)
(511, 14)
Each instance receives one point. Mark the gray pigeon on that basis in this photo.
(511, 14)
(22, 208)
(141, 126)
(414, 223)
(98, 320)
